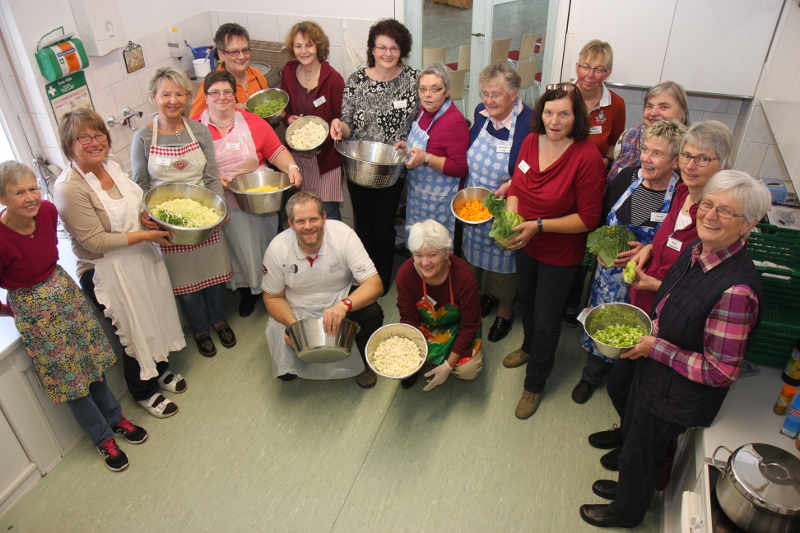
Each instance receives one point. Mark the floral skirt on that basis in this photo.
(62, 336)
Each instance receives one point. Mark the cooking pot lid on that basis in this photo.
(768, 476)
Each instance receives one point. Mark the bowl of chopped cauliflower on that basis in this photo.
(191, 212)
(396, 351)
(260, 193)
(615, 327)
(268, 104)
(306, 134)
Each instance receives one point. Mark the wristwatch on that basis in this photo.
(539, 223)
(349, 304)
(427, 157)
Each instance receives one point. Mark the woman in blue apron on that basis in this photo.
(639, 198)
(438, 144)
(501, 124)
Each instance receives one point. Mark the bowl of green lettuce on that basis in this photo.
(268, 104)
(615, 327)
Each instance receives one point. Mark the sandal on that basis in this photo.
(172, 382)
(159, 406)
(226, 336)
(205, 345)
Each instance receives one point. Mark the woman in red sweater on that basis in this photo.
(557, 187)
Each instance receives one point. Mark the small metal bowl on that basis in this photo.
(299, 123)
(265, 95)
(259, 203)
(313, 345)
(400, 330)
(470, 194)
(613, 314)
(201, 195)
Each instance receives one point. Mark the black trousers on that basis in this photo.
(370, 318)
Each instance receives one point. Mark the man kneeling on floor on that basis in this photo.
(309, 270)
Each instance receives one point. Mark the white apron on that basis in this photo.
(246, 235)
(132, 283)
(488, 159)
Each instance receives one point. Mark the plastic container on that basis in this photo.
(784, 400)
(175, 43)
(791, 374)
(791, 425)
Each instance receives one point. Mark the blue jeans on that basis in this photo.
(594, 369)
(97, 412)
(543, 291)
(332, 209)
(196, 304)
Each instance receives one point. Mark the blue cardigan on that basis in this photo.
(522, 130)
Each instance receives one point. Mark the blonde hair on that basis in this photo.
(596, 47)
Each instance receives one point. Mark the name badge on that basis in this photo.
(431, 300)
(319, 101)
(232, 146)
(657, 217)
(504, 149)
(162, 161)
(675, 244)
(523, 166)
(400, 104)
(595, 130)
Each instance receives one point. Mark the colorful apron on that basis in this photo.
(440, 327)
(429, 192)
(607, 286)
(488, 160)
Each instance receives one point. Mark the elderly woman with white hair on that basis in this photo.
(438, 294)
(438, 144)
(707, 308)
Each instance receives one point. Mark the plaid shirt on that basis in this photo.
(628, 150)
(725, 337)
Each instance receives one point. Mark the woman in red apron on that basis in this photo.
(438, 294)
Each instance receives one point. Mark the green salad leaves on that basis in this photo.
(504, 220)
(609, 241)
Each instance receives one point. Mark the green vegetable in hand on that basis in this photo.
(629, 274)
(609, 241)
(620, 336)
(504, 220)
(269, 108)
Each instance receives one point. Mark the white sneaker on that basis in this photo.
(172, 382)
(159, 406)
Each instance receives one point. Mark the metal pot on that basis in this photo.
(760, 488)
(613, 314)
(171, 191)
(313, 345)
(259, 203)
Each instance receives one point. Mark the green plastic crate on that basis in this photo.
(777, 245)
(776, 336)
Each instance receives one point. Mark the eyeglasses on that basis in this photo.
(216, 94)
(493, 96)
(597, 70)
(722, 212)
(699, 160)
(235, 53)
(569, 87)
(655, 153)
(383, 49)
(433, 90)
(87, 139)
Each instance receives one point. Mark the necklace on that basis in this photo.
(219, 127)
(307, 77)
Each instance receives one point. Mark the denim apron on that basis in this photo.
(607, 286)
(429, 192)
(488, 159)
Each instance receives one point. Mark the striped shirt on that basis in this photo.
(725, 337)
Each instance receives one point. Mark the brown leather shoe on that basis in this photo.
(367, 379)
(515, 359)
(527, 404)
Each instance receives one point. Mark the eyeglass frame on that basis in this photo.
(597, 70)
(216, 94)
(687, 157)
(383, 49)
(237, 53)
(566, 86)
(655, 153)
(722, 212)
(100, 137)
(433, 90)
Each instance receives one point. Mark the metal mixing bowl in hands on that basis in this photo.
(299, 123)
(267, 95)
(259, 203)
(371, 164)
(470, 194)
(401, 330)
(613, 314)
(313, 345)
(172, 191)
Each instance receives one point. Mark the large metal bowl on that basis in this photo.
(371, 164)
(313, 345)
(265, 95)
(259, 203)
(470, 194)
(299, 123)
(400, 330)
(201, 195)
(613, 314)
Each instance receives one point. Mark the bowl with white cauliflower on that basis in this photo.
(396, 351)
(306, 134)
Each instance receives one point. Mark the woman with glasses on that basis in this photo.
(438, 146)
(232, 42)
(665, 101)
(243, 143)
(101, 210)
(315, 88)
(171, 149)
(379, 104)
(501, 124)
(557, 188)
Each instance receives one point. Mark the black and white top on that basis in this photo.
(637, 209)
(380, 111)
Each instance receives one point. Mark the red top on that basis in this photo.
(330, 86)
(465, 293)
(662, 256)
(449, 137)
(267, 143)
(574, 183)
(26, 261)
(612, 119)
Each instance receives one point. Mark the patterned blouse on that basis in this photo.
(380, 111)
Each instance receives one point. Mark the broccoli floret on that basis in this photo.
(608, 241)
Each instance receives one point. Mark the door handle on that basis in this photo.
(478, 35)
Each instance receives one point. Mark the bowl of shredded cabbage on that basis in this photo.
(268, 104)
(615, 327)
(260, 193)
(396, 351)
(191, 212)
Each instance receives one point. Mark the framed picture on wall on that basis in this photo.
(134, 57)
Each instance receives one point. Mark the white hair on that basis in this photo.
(749, 194)
(429, 234)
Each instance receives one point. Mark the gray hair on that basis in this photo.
(13, 172)
(302, 197)
(676, 91)
(429, 234)
(714, 136)
(169, 74)
(438, 70)
(749, 194)
(500, 71)
(671, 131)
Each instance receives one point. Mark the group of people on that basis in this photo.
(566, 166)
